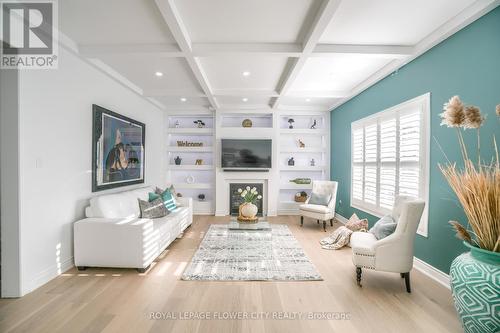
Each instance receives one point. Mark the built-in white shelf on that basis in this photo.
(194, 186)
(190, 149)
(302, 150)
(180, 126)
(302, 168)
(302, 131)
(183, 167)
(293, 186)
(204, 207)
(191, 131)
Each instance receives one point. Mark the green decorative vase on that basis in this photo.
(475, 284)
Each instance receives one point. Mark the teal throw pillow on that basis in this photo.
(384, 227)
(319, 199)
(167, 197)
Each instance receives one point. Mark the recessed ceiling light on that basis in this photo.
(244, 99)
(308, 99)
(183, 99)
(159, 74)
(246, 73)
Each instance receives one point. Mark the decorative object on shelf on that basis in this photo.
(117, 150)
(199, 123)
(474, 275)
(248, 210)
(177, 124)
(301, 143)
(291, 161)
(189, 144)
(201, 197)
(246, 123)
(190, 179)
(301, 181)
(314, 124)
(199, 161)
(290, 122)
(179, 194)
(177, 160)
(300, 196)
(313, 162)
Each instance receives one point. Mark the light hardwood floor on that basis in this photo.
(121, 300)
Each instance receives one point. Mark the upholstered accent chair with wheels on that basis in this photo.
(393, 253)
(320, 212)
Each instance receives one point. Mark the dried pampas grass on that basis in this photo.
(473, 117)
(478, 190)
(453, 115)
(477, 186)
(462, 233)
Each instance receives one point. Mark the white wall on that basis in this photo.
(9, 184)
(55, 156)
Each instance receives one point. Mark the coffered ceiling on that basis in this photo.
(259, 54)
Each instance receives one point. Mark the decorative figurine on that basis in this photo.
(179, 195)
(199, 123)
(246, 123)
(177, 160)
(198, 162)
(313, 162)
(301, 144)
(201, 197)
(290, 121)
(313, 126)
(300, 196)
(301, 181)
(177, 124)
(291, 161)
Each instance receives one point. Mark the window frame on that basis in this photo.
(423, 102)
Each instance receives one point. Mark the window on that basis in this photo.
(389, 157)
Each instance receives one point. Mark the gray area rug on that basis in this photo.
(273, 255)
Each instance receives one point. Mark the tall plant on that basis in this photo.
(477, 183)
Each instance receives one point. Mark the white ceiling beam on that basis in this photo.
(251, 49)
(387, 51)
(166, 50)
(318, 94)
(245, 93)
(289, 50)
(174, 21)
(320, 23)
(172, 93)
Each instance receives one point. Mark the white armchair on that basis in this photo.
(320, 212)
(393, 253)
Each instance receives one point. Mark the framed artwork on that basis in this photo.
(118, 144)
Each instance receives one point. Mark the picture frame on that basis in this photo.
(118, 150)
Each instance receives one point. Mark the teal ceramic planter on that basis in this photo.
(475, 284)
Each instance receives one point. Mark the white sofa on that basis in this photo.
(113, 234)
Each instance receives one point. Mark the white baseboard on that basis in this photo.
(432, 272)
(340, 218)
(420, 265)
(48, 274)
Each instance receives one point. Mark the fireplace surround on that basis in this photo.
(235, 199)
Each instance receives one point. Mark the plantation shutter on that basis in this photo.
(387, 151)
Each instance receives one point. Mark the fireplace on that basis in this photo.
(235, 198)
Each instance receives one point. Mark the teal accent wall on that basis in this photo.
(466, 64)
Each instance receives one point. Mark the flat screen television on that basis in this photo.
(246, 154)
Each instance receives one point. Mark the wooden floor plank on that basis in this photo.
(122, 300)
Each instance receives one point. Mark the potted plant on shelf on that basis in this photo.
(248, 210)
(475, 275)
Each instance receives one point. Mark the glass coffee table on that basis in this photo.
(262, 224)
